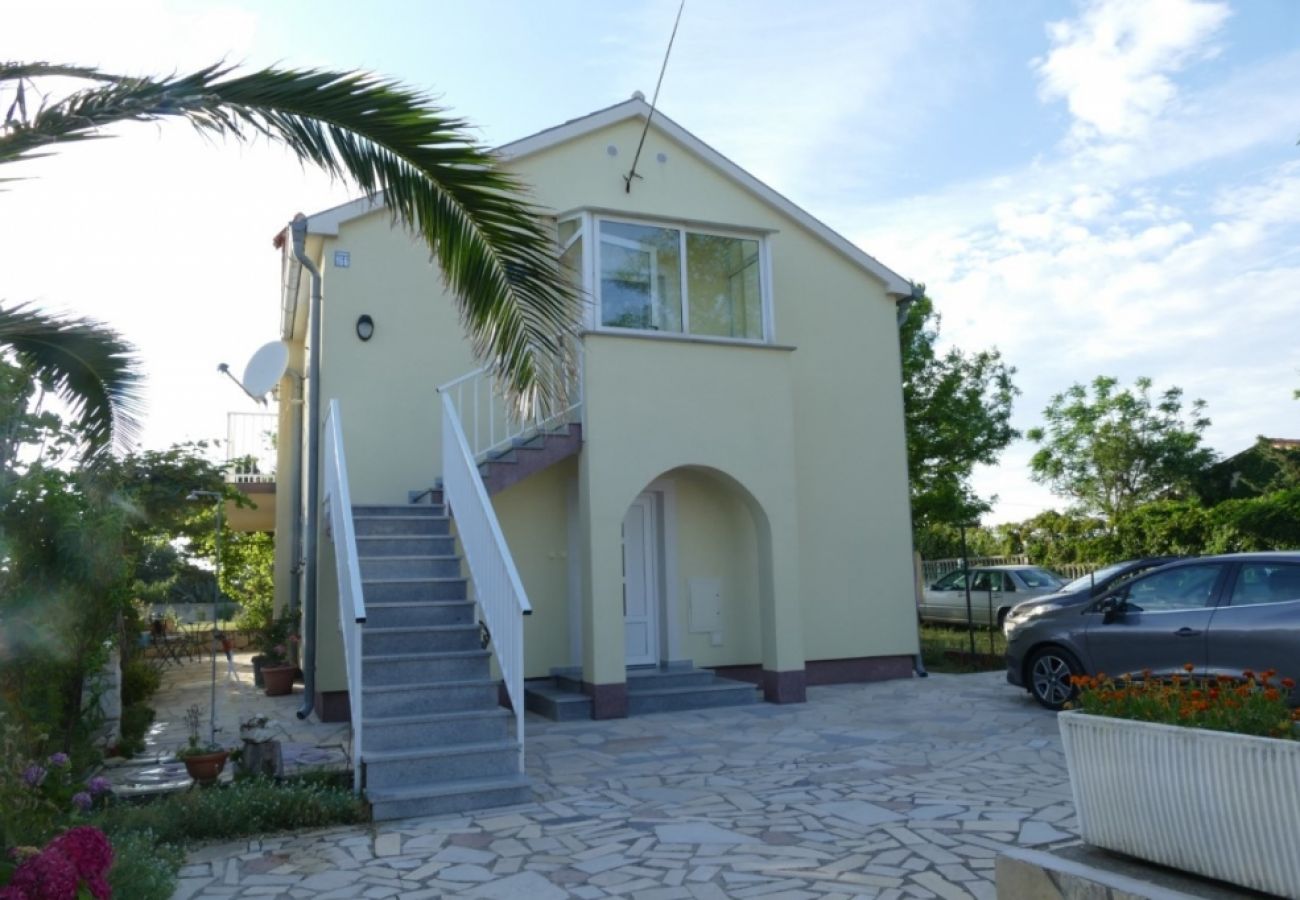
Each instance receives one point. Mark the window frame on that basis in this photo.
(590, 230)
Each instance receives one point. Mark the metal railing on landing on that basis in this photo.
(337, 508)
(250, 447)
(497, 589)
(490, 426)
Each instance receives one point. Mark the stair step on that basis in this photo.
(546, 698)
(416, 668)
(414, 589)
(723, 693)
(397, 768)
(417, 698)
(443, 565)
(380, 641)
(399, 532)
(470, 726)
(444, 797)
(397, 509)
(373, 545)
(418, 613)
(402, 526)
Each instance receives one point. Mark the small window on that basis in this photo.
(982, 581)
(953, 581)
(1038, 578)
(1186, 587)
(1266, 583)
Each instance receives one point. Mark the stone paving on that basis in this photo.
(304, 745)
(900, 789)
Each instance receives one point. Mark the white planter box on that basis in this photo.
(1226, 806)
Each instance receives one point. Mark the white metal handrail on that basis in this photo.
(337, 503)
(490, 425)
(250, 447)
(497, 587)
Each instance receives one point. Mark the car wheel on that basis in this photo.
(1050, 670)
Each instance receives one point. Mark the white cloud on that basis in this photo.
(1113, 64)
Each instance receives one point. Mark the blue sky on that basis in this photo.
(1098, 187)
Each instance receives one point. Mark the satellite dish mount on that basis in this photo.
(264, 370)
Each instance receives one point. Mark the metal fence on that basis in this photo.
(250, 447)
(934, 569)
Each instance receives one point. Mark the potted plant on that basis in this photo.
(276, 643)
(1197, 774)
(204, 761)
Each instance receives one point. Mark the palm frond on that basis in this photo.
(85, 363)
(436, 179)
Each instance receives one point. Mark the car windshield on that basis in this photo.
(1096, 577)
(1038, 578)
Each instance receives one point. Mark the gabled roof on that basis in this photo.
(328, 221)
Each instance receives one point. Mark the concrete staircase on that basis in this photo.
(666, 688)
(434, 739)
(525, 457)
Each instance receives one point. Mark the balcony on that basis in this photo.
(250, 466)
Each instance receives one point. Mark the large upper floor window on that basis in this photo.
(675, 280)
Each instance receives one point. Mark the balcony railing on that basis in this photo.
(250, 447)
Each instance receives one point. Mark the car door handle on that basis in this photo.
(1187, 632)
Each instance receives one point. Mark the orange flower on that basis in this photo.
(1248, 674)
(1189, 667)
(1288, 683)
(1271, 695)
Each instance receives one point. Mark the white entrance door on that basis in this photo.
(640, 584)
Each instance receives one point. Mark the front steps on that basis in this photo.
(434, 739)
(649, 690)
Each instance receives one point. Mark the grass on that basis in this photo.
(938, 640)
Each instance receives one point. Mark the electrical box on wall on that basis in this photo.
(705, 605)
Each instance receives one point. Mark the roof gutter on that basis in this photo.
(298, 231)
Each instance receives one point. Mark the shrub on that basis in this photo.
(1255, 705)
(135, 723)
(143, 867)
(253, 806)
(140, 680)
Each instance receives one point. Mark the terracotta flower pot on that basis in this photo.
(278, 680)
(206, 767)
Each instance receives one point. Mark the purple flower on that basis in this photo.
(59, 760)
(98, 785)
(33, 775)
(82, 801)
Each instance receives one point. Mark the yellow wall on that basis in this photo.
(853, 532)
(535, 524)
(716, 539)
(386, 386)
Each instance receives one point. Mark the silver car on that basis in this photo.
(1222, 614)
(993, 591)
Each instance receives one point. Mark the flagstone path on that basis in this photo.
(899, 789)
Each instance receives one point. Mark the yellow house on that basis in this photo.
(721, 513)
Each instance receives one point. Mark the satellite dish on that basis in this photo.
(266, 368)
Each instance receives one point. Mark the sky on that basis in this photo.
(1093, 188)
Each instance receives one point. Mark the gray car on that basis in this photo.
(993, 591)
(1222, 614)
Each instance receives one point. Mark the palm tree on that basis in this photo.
(85, 363)
(435, 178)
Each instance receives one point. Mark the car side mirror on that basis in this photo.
(1112, 609)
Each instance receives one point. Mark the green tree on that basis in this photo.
(1110, 449)
(958, 414)
(493, 247)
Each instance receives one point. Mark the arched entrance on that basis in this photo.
(697, 579)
